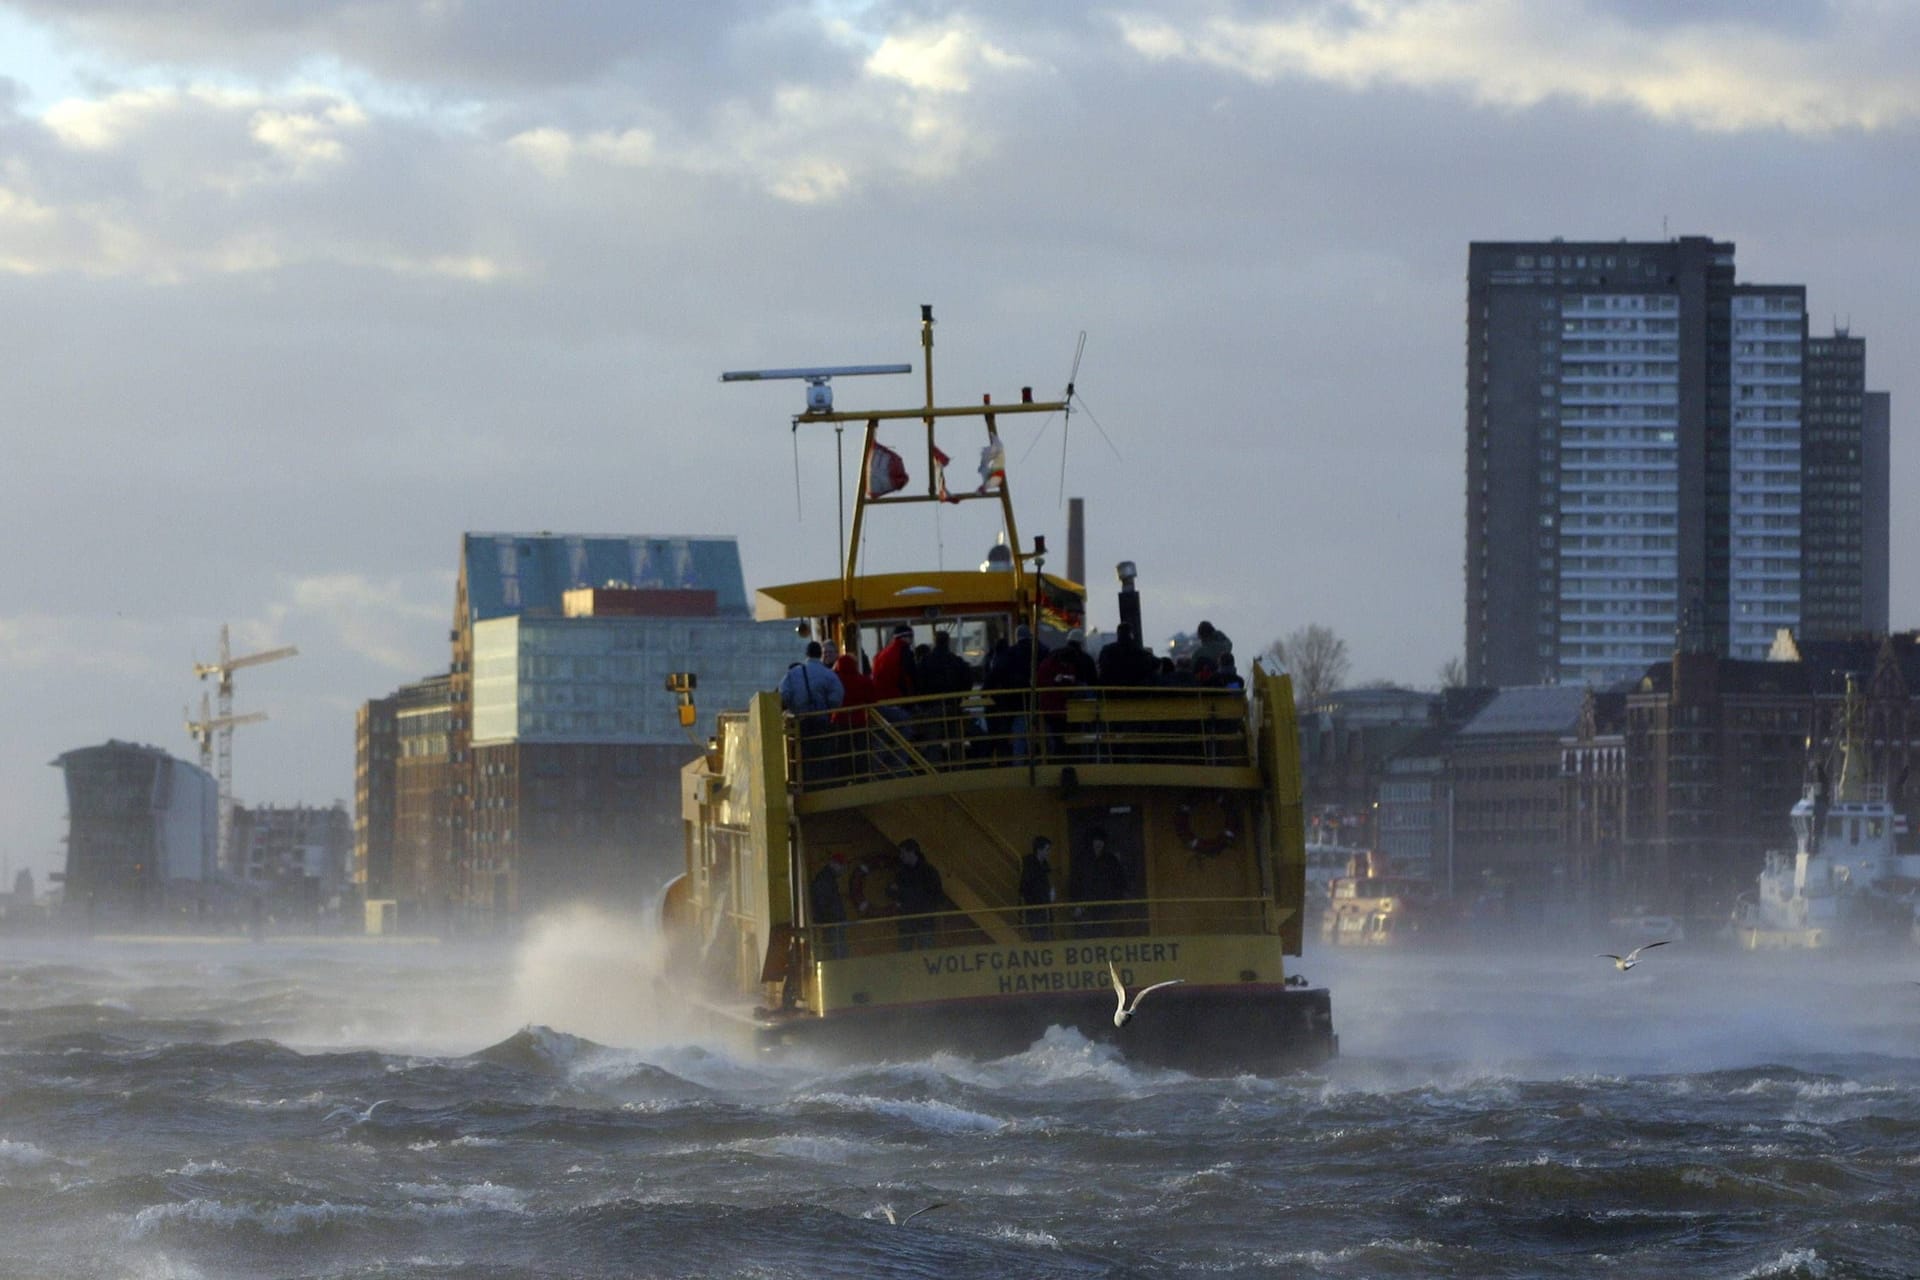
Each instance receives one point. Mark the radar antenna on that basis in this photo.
(819, 381)
(820, 400)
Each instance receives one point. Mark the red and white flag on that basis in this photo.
(940, 461)
(993, 465)
(886, 471)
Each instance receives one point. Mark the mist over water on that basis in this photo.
(540, 1107)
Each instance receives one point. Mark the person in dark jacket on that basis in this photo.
(916, 893)
(1013, 675)
(1066, 668)
(829, 909)
(946, 673)
(1103, 882)
(1125, 663)
(1036, 890)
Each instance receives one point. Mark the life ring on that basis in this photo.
(1229, 819)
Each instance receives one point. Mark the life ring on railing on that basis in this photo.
(1229, 823)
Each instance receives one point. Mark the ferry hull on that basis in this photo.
(1261, 1029)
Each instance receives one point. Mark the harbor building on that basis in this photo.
(403, 801)
(564, 747)
(1634, 440)
(1844, 560)
(298, 859)
(142, 831)
(376, 751)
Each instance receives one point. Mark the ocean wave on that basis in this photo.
(1794, 1264)
(930, 1113)
(21, 1155)
(297, 1218)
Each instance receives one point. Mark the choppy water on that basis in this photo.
(348, 1110)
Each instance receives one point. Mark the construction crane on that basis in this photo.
(220, 727)
(202, 730)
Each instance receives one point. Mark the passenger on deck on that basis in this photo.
(894, 677)
(850, 722)
(948, 674)
(1212, 643)
(1066, 668)
(1013, 675)
(1126, 663)
(1036, 890)
(829, 910)
(916, 892)
(1102, 882)
(807, 690)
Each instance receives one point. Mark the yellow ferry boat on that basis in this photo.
(801, 918)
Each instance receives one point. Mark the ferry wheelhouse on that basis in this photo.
(1194, 792)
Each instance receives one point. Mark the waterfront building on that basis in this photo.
(564, 748)
(423, 800)
(142, 831)
(297, 859)
(376, 751)
(1844, 559)
(1504, 767)
(1634, 439)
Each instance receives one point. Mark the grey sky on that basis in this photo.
(291, 301)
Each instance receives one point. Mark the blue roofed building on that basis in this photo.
(565, 748)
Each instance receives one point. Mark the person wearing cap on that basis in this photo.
(829, 909)
(916, 893)
(1036, 890)
(894, 673)
(808, 691)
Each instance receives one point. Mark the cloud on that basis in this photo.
(382, 620)
(1717, 69)
(56, 646)
(942, 59)
(471, 45)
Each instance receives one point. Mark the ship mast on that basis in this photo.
(930, 413)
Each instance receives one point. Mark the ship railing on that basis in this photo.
(986, 729)
(875, 935)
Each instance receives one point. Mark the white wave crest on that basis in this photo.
(279, 1220)
(941, 1117)
(1791, 1265)
(21, 1155)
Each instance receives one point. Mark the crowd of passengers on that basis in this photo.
(849, 687)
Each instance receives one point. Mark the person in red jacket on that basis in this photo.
(850, 722)
(894, 677)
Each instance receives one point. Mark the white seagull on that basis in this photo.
(1626, 962)
(901, 1222)
(1122, 1011)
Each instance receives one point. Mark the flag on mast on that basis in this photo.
(886, 471)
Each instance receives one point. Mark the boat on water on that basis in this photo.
(1174, 817)
(1853, 878)
(1377, 903)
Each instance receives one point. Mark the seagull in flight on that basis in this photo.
(1122, 1011)
(1626, 962)
(901, 1222)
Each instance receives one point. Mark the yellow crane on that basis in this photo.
(219, 728)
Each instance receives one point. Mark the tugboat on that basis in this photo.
(1376, 904)
(1854, 876)
(806, 917)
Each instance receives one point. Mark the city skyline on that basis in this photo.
(297, 300)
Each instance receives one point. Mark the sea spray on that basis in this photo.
(599, 975)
